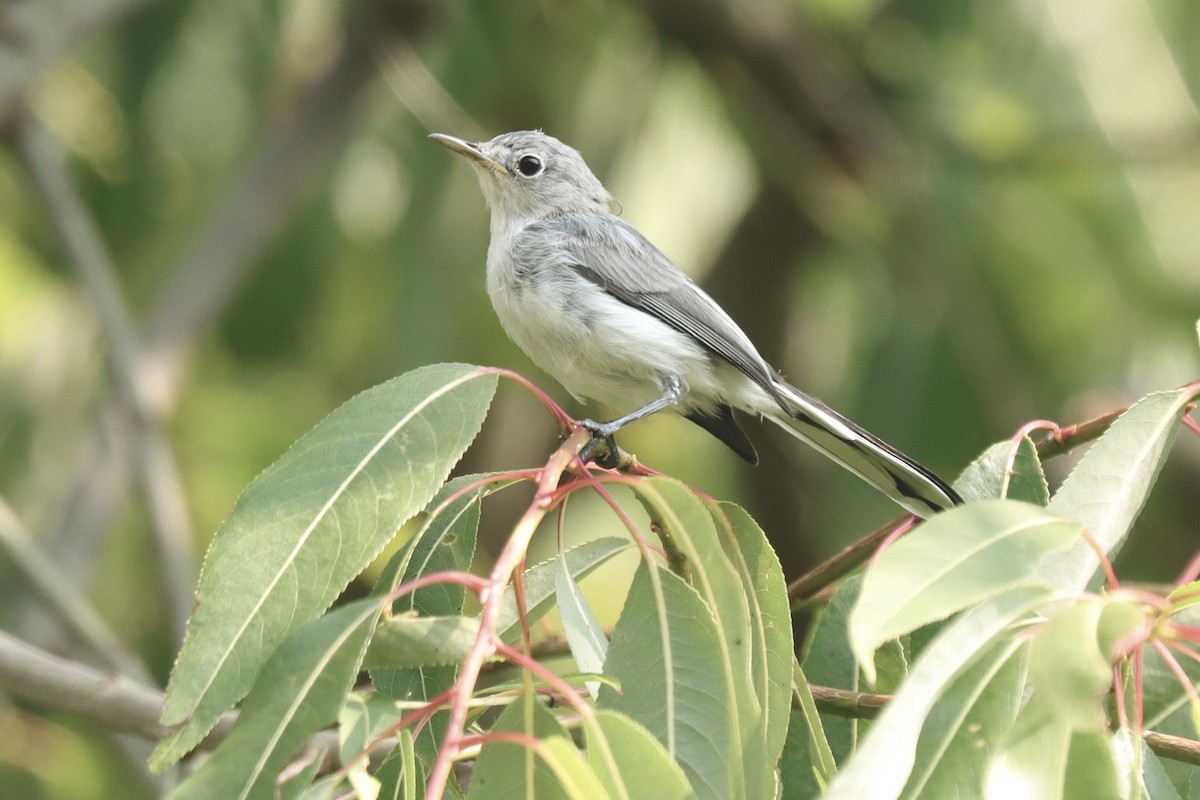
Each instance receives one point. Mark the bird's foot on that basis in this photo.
(602, 447)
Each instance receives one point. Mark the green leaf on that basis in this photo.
(829, 662)
(772, 650)
(882, 764)
(1145, 775)
(298, 691)
(989, 477)
(1183, 597)
(584, 635)
(550, 768)
(1034, 761)
(361, 719)
(822, 756)
(666, 653)
(540, 582)
(687, 527)
(948, 563)
(444, 542)
(401, 642)
(311, 522)
(1092, 769)
(1106, 490)
(967, 725)
(646, 771)
(402, 772)
(1066, 667)
(299, 783)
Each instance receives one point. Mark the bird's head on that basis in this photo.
(528, 174)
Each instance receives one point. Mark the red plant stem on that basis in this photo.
(564, 419)
(903, 526)
(568, 691)
(416, 715)
(1191, 424)
(1109, 575)
(510, 737)
(1173, 664)
(1183, 648)
(492, 597)
(1026, 429)
(1189, 632)
(1190, 572)
(465, 579)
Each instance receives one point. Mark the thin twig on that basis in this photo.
(155, 459)
(860, 705)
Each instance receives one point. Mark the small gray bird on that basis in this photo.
(597, 306)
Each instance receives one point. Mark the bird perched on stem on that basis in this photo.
(600, 308)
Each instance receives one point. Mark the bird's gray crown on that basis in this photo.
(540, 175)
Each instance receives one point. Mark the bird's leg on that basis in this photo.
(605, 432)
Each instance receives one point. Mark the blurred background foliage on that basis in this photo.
(945, 218)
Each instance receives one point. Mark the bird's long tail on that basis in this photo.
(913, 486)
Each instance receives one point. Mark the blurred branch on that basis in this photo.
(61, 596)
(224, 254)
(153, 455)
(35, 33)
(422, 94)
(115, 703)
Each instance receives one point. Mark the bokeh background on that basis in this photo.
(944, 217)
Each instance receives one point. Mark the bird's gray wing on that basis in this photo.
(610, 253)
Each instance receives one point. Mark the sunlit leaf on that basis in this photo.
(584, 635)
(953, 561)
(1067, 668)
(311, 522)
(967, 724)
(772, 652)
(687, 527)
(539, 581)
(824, 766)
(829, 662)
(361, 719)
(1144, 772)
(1106, 490)
(1185, 596)
(883, 762)
(401, 773)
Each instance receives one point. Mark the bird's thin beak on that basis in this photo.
(469, 150)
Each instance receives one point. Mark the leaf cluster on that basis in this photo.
(1007, 664)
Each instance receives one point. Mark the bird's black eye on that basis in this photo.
(529, 166)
